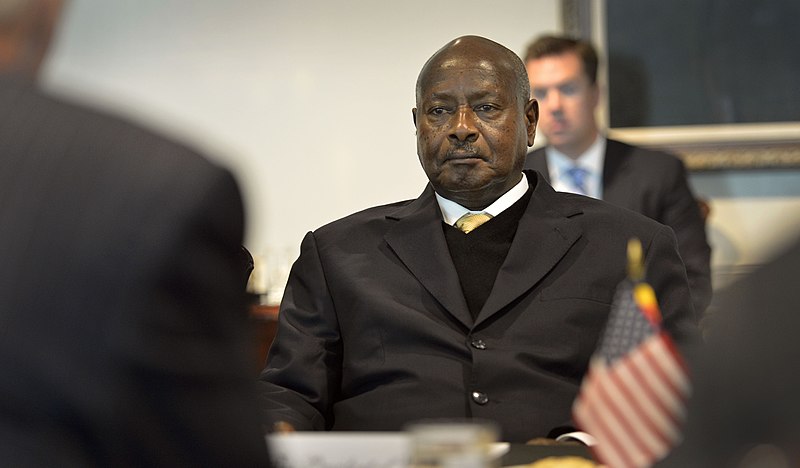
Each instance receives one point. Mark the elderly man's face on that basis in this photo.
(472, 131)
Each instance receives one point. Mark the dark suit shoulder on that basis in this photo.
(601, 213)
(572, 205)
(362, 219)
(105, 174)
(536, 160)
(85, 134)
(537, 153)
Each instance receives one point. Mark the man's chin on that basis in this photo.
(456, 190)
(556, 139)
(463, 178)
(469, 191)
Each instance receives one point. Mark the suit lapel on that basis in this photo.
(544, 235)
(419, 243)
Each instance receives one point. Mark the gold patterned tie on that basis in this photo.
(471, 221)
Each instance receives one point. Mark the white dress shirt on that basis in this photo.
(592, 161)
(451, 210)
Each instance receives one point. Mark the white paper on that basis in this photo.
(339, 450)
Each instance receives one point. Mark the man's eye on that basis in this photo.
(569, 90)
(484, 108)
(438, 111)
(539, 93)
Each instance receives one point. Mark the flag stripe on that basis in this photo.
(651, 410)
(608, 449)
(673, 388)
(635, 447)
(636, 415)
(659, 401)
(645, 370)
(670, 363)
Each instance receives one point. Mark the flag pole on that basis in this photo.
(635, 260)
(643, 294)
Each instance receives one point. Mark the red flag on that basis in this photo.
(633, 399)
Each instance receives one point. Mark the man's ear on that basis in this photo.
(595, 90)
(414, 115)
(531, 118)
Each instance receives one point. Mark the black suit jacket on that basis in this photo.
(655, 184)
(122, 316)
(375, 332)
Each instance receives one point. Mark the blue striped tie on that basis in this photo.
(578, 175)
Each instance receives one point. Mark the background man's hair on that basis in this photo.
(10, 8)
(546, 46)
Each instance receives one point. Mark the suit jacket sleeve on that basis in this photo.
(667, 276)
(681, 213)
(301, 393)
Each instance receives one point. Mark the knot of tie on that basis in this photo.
(578, 175)
(471, 221)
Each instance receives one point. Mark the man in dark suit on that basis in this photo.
(122, 316)
(745, 410)
(393, 314)
(579, 159)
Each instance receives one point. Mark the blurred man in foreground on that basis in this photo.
(413, 310)
(745, 412)
(579, 159)
(122, 315)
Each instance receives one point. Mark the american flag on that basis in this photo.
(633, 399)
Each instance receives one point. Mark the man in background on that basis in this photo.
(122, 315)
(579, 159)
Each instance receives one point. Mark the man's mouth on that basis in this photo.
(461, 154)
(558, 126)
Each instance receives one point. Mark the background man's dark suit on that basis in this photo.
(122, 319)
(654, 184)
(375, 331)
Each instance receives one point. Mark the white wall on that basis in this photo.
(309, 101)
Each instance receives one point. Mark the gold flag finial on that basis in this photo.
(635, 260)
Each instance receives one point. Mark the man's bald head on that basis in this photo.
(480, 52)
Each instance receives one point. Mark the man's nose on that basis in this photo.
(464, 128)
(551, 101)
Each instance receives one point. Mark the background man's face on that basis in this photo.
(472, 133)
(567, 101)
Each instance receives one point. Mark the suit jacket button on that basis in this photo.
(478, 343)
(480, 398)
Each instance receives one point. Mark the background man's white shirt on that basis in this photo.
(592, 161)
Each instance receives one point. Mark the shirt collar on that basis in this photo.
(592, 160)
(451, 210)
